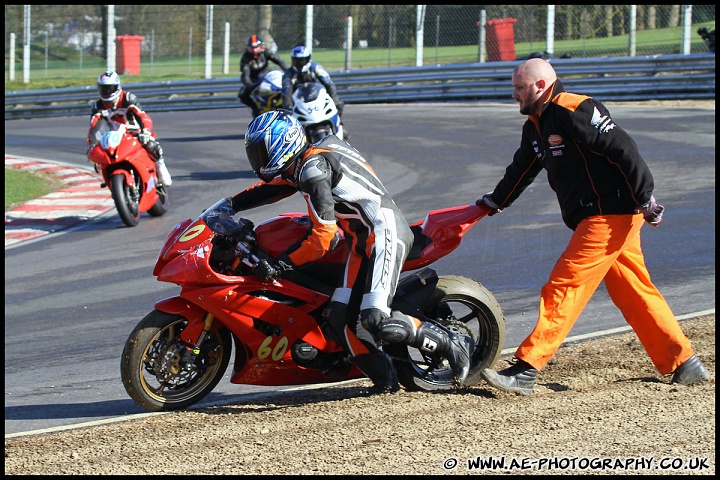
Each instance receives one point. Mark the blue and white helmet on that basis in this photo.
(301, 56)
(272, 141)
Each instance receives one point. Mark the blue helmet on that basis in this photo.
(301, 58)
(272, 141)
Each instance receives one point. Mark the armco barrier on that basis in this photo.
(659, 77)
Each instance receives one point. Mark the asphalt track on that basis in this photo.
(70, 281)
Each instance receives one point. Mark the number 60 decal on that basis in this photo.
(275, 353)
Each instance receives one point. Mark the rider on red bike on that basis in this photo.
(341, 189)
(122, 106)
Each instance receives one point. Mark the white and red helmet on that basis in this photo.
(109, 86)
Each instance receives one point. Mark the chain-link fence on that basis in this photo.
(67, 41)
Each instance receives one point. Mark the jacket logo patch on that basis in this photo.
(602, 122)
(555, 140)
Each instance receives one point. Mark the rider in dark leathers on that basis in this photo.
(253, 63)
(341, 189)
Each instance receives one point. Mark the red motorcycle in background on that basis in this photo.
(127, 170)
(178, 353)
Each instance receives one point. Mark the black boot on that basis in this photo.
(454, 348)
(692, 371)
(400, 328)
(518, 378)
(375, 364)
(379, 368)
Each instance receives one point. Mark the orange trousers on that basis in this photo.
(606, 248)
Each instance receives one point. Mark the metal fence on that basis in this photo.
(675, 77)
(54, 41)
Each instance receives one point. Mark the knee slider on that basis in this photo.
(396, 329)
(371, 318)
(155, 149)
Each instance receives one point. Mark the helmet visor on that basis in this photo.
(107, 91)
(299, 63)
(258, 156)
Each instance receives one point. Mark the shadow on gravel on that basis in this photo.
(282, 400)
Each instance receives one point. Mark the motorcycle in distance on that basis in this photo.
(316, 111)
(178, 353)
(128, 171)
(267, 94)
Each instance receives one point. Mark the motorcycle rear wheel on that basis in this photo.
(466, 307)
(126, 199)
(315, 133)
(153, 369)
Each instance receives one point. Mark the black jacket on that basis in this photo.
(592, 164)
(251, 68)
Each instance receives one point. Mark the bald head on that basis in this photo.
(532, 85)
(535, 69)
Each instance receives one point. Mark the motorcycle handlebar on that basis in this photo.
(249, 258)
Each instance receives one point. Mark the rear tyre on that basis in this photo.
(316, 133)
(126, 198)
(157, 368)
(467, 308)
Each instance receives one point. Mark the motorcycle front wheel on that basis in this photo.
(126, 198)
(160, 372)
(467, 308)
(161, 203)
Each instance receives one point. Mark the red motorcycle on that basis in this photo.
(179, 352)
(128, 171)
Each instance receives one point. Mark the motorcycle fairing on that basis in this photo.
(120, 152)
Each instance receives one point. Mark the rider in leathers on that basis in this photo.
(341, 188)
(123, 106)
(304, 70)
(253, 63)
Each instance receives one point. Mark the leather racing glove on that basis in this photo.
(145, 136)
(652, 211)
(487, 201)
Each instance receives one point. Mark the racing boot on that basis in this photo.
(692, 371)
(163, 174)
(379, 368)
(518, 378)
(456, 349)
(375, 364)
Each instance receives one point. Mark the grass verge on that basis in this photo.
(21, 186)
